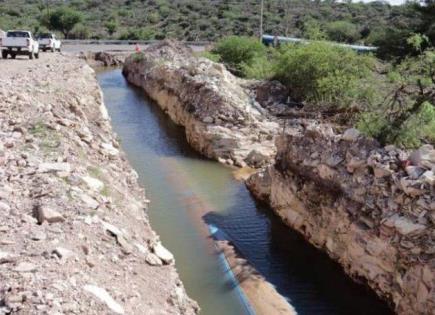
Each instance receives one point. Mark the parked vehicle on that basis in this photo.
(48, 41)
(2, 35)
(18, 43)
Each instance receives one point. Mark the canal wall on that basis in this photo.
(372, 209)
(221, 118)
(75, 235)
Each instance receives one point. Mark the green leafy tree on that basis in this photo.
(111, 27)
(406, 117)
(343, 31)
(62, 19)
(313, 30)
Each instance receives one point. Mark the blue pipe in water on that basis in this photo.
(220, 235)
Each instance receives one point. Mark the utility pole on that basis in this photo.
(261, 19)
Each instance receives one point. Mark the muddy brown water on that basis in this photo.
(187, 192)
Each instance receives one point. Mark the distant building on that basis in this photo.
(273, 40)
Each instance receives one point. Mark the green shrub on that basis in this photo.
(138, 56)
(260, 67)
(237, 51)
(211, 56)
(321, 73)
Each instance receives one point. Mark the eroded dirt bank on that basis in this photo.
(372, 209)
(74, 234)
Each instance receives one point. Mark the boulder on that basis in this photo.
(424, 157)
(93, 183)
(48, 214)
(165, 255)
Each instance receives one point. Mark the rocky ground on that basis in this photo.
(74, 234)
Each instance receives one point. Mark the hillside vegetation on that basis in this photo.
(393, 102)
(195, 20)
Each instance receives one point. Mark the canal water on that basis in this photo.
(187, 192)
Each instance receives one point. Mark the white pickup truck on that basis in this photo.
(19, 43)
(48, 41)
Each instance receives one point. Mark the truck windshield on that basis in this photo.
(45, 36)
(18, 34)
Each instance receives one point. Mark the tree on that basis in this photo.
(63, 19)
(343, 31)
(406, 117)
(112, 27)
(313, 31)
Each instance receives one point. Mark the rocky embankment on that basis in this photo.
(372, 209)
(74, 234)
(221, 117)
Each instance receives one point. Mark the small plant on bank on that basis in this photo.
(211, 56)
(138, 56)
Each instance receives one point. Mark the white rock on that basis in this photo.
(93, 183)
(109, 149)
(153, 260)
(414, 172)
(25, 267)
(104, 297)
(6, 257)
(4, 206)
(351, 134)
(89, 201)
(424, 157)
(404, 226)
(161, 252)
(45, 213)
(111, 228)
(208, 120)
(428, 177)
(63, 252)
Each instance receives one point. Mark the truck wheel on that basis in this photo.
(13, 56)
(31, 55)
(4, 54)
(58, 49)
(53, 49)
(37, 55)
(44, 50)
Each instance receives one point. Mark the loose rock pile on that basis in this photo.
(74, 237)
